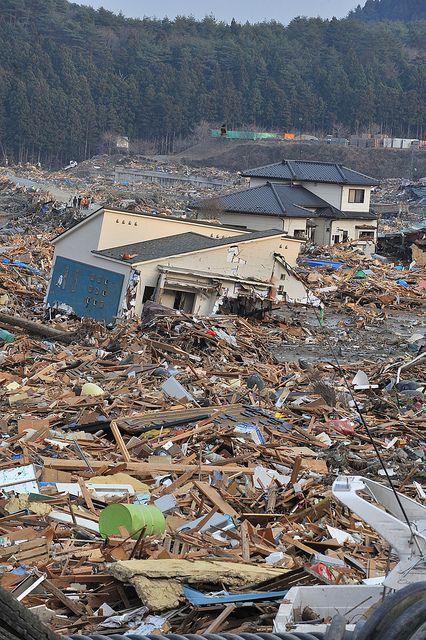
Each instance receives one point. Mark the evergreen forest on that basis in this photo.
(72, 76)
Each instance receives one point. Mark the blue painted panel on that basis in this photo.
(199, 598)
(92, 292)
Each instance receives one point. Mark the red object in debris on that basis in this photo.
(323, 571)
(344, 426)
(210, 332)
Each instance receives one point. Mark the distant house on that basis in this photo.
(320, 201)
(109, 264)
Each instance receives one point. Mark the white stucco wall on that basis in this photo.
(326, 229)
(331, 193)
(258, 182)
(81, 241)
(355, 206)
(353, 227)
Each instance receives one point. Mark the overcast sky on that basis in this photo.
(241, 10)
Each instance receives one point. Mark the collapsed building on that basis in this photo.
(109, 264)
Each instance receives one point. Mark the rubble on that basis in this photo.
(242, 473)
(202, 420)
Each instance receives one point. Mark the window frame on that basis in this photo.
(355, 192)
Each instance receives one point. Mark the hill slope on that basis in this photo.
(405, 10)
(70, 76)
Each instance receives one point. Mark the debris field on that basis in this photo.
(175, 474)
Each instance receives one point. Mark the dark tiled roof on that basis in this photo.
(276, 199)
(178, 244)
(273, 199)
(310, 171)
(332, 212)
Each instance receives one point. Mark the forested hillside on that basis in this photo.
(70, 75)
(406, 10)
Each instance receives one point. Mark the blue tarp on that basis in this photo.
(323, 263)
(22, 265)
(197, 598)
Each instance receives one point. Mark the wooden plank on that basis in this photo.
(214, 496)
(86, 495)
(144, 468)
(179, 482)
(216, 625)
(120, 442)
(245, 541)
(75, 607)
(16, 549)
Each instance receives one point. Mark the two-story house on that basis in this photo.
(322, 201)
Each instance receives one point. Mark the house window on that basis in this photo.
(366, 235)
(299, 233)
(345, 236)
(336, 239)
(356, 195)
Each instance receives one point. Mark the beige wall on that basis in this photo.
(120, 228)
(355, 206)
(263, 223)
(102, 231)
(252, 260)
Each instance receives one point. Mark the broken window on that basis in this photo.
(366, 235)
(148, 294)
(356, 195)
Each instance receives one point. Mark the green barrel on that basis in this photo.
(134, 518)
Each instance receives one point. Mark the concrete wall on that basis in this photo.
(322, 231)
(355, 206)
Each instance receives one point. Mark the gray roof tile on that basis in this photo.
(176, 245)
(277, 199)
(311, 171)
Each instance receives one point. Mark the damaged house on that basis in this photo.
(109, 264)
(322, 202)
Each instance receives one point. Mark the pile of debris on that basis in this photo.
(367, 286)
(175, 477)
